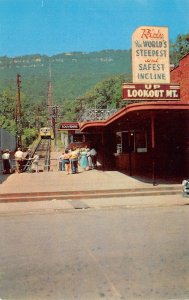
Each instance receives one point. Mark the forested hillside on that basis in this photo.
(72, 74)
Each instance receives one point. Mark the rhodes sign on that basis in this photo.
(132, 91)
(150, 55)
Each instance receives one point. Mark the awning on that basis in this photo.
(143, 109)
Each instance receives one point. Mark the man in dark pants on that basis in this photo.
(6, 162)
(74, 160)
(93, 155)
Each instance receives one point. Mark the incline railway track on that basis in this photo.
(43, 150)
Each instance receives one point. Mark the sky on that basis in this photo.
(50, 27)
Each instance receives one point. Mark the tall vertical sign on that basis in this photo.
(150, 55)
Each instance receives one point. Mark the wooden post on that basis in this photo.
(103, 164)
(130, 161)
(153, 148)
(18, 114)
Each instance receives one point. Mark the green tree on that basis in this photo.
(8, 106)
(106, 94)
(179, 48)
(28, 136)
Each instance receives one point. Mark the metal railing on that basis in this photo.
(27, 167)
(95, 114)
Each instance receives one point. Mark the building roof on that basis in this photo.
(137, 107)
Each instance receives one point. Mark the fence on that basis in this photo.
(7, 140)
(27, 166)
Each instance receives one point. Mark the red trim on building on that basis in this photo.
(181, 105)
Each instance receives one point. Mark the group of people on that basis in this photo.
(69, 161)
(7, 161)
(22, 159)
(86, 158)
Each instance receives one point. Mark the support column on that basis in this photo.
(153, 148)
(102, 140)
(187, 146)
(130, 160)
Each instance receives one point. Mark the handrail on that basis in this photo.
(46, 166)
(47, 158)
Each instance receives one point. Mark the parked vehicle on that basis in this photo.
(185, 186)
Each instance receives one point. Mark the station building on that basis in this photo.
(149, 138)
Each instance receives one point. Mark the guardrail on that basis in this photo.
(50, 164)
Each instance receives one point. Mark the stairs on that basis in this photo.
(90, 194)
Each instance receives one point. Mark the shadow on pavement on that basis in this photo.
(158, 180)
(3, 177)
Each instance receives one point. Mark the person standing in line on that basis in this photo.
(24, 159)
(66, 158)
(61, 162)
(89, 159)
(93, 154)
(19, 160)
(6, 162)
(74, 160)
(84, 164)
(28, 159)
(36, 163)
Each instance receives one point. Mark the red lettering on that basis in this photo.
(151, 34)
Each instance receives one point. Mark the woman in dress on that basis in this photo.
(6, 162)
(89, 159)
(84, 163)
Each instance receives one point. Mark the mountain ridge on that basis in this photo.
(72, 73)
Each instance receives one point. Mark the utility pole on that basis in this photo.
(54, 115)
(18, 114)
(49, 96)
(53, 109)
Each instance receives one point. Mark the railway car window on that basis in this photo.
(46, 133)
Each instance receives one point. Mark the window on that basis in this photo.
(131, 141)
(127, 142)
(119, 142)
(141, 141)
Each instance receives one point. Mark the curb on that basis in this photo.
(79, 195)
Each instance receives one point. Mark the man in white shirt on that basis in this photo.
(19, 160)
(93, 154)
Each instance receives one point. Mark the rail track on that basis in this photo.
(43, 150)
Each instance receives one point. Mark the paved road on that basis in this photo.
(117, 253)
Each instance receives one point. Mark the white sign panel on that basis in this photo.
(150, 55)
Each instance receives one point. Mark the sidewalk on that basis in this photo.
(57, 191)
(58, 181)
